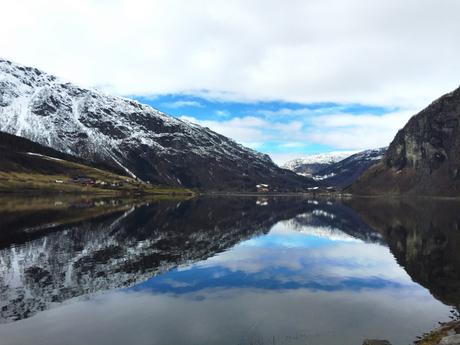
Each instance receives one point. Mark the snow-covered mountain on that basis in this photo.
(310, 165)
(335, 169)
(347, 171)
(130, 136)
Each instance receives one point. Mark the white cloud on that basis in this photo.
(291, 144)
(251, 130)
(373, 52)
(181, 104)
(248, 130)
(222, 113)
(340, 131)
(347, 131)
(286, 112)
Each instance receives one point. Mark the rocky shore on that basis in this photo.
(447, 334)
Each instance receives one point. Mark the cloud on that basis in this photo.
(338, 131)
(182, 104)
(371, 52)
(348, 131)
(248, 130)
(290, 144)
(222, 113)
(287, 112)
(252, 131)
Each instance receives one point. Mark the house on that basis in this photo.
(263, 188)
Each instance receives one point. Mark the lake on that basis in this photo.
(226, 270)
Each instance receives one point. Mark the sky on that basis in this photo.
(287, 78)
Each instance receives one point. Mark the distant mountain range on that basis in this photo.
(346, 171)
(124, 134)
(423, 158)
(336, 169)
(312, 164)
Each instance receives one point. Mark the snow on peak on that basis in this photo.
(122, 132)
(372, 154)
(33, 103)
(321, 158)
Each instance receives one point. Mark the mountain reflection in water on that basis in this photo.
(228, 271)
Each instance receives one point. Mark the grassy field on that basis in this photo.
(71, 177)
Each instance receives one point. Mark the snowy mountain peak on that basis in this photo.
(320, 158)
(130, 136)
(346, 171)
(309, 165)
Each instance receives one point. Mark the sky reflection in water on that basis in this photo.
(295, 285)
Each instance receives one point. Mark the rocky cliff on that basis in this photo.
(423, 158)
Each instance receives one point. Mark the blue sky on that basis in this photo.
(286, 78)
(286, 130)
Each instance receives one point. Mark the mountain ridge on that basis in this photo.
(336, 169)
(311, 164)
(345, 172)
(126, 134)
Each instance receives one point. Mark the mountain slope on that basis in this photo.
(310, 165)
(345, 172)
(126, 134)
(26, 166)
(423, 158)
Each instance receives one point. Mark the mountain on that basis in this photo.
(310, 165)
(26, 166)
(126, 134)
(348, 170)
(423, 158)
(335, 169)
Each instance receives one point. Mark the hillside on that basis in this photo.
(128, 135)
(423, 158)
(348, 170)
(26, 166)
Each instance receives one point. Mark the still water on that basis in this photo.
(226, 271)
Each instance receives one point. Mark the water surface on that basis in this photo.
(227, 271)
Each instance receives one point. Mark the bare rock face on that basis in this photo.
(130, 136)
(424, 157)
